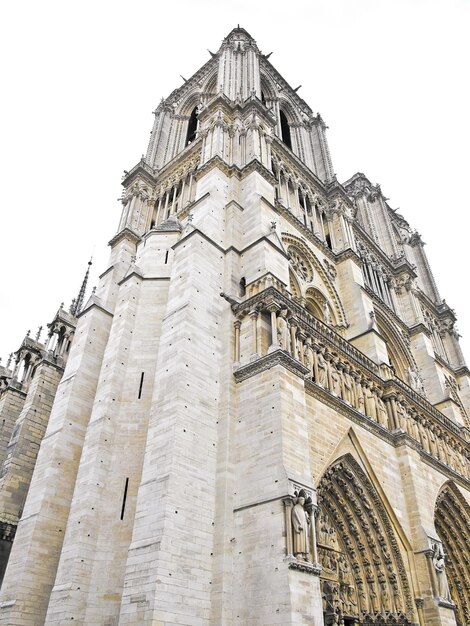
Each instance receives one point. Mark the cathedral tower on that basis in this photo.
(263, 417)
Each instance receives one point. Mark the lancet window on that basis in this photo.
(302, 201)
(436, 339)
(375, 275)
(191, 133)
(172, 197)
(285, 129)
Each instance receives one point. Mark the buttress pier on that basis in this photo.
(264, 413)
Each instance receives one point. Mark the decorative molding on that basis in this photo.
(278, 357)
(314, 569)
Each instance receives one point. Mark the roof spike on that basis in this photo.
(77, 302)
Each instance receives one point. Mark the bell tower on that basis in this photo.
(263, 397)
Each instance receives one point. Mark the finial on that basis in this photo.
(61, 306)
(93, 291)
(185, 79)
(38, 334)
(77, 303)
(10, 356)
(273, 226)
(190, 217)
(28, 333)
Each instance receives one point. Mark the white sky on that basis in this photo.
(80, 80)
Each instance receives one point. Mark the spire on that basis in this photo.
(77, 302)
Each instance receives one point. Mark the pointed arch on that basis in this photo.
(317, 303)
(452, 522)
(294, 285)
(339, 315)
(210, 87)
(363, 576)
(399, 353)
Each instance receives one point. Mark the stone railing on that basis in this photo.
(278, 323)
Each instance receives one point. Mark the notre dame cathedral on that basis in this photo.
(261, 414)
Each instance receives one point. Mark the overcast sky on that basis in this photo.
(80, 80)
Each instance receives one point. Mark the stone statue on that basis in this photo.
(308, 356)
(283, 330)
(348, 385)
(336, 378)
(322, 366)
(440, 567)
(382, 415)
(369, 396)
(326, 314)
(300, 524)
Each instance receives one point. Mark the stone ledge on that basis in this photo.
(314, 569)
(264, 363)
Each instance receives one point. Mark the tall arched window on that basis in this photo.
(285, 130)
(192, 127)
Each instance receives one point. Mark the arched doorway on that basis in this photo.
(363, 579)
(452, 522)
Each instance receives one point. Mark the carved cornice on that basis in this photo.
(314, 569)
(278, 357)
(315, 326)
(142, 170)
(125, 233)
(233, 170)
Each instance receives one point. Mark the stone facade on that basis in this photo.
(263, 417)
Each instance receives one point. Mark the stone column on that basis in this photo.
(237, 324)
(274, 342)
(254, 332)
(288, 505)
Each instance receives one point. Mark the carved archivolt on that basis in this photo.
(452, 521)
(363, 576)
(399, 352)
(314, 268)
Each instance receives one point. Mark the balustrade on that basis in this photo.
(346, 373)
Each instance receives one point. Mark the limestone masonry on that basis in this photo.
(261, 415)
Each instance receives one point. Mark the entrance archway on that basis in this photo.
(363, 577)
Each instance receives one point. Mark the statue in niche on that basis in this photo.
(369, 396)
(300, 526)
(348, 385)
(374, 599)
(322, 367)
(283, 330)
(401, 415)
(336, 378)
(326, 314)
(359, 393)
(309, 358)
(344, 571)
(382, 415)
(440, 567)
(384, 596)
